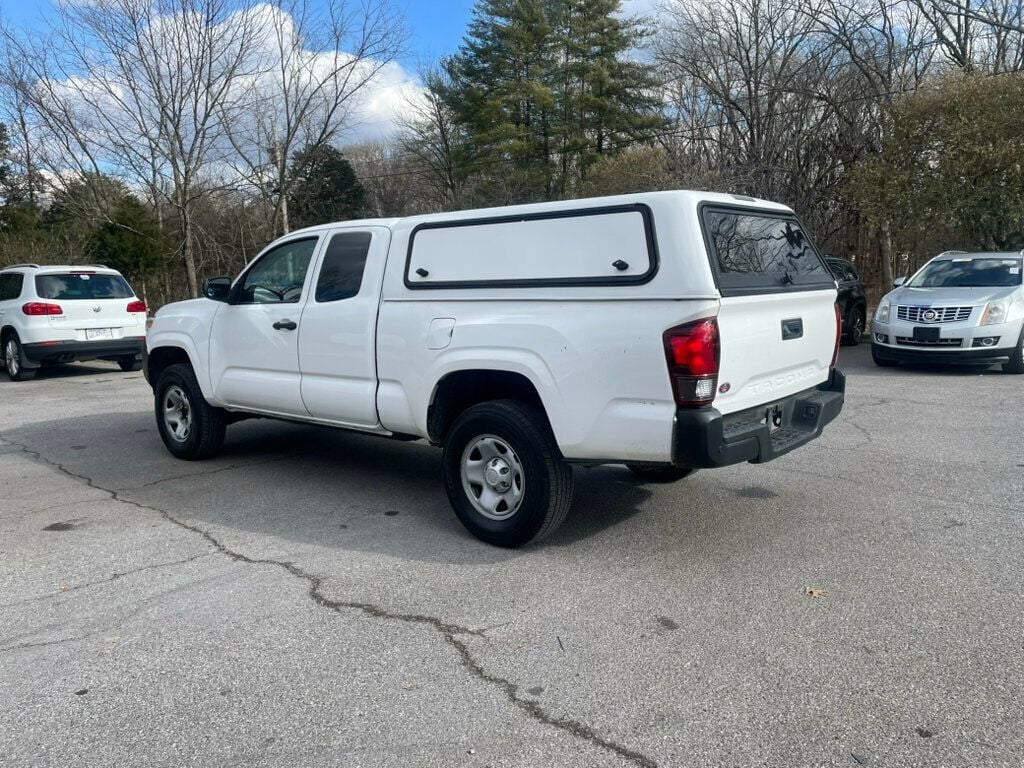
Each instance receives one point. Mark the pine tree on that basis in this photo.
(325, 188)
(542, 88)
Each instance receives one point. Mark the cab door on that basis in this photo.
(254, 349)
(337, 349)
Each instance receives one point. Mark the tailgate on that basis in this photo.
(777, 321)
(758, 363)
(93, 304)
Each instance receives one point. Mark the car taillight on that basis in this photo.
(41, 308)
(692, 352)
(839, 334)
(137, 306)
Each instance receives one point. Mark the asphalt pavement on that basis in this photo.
(308, 598)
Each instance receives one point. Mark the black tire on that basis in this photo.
(14, 360)
(883, 362)
(131, 363)
(1016, 364)
(206, 424)
(547, 483)
(855, 324)
(659, 474)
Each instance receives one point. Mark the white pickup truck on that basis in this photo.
(665, 331)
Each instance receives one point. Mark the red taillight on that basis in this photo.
(692, 353)
(137, 306)
(41, 308)
(839, 335)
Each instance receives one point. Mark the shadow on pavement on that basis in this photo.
(307, 484)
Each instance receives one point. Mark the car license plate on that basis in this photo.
(93, 334)
(925, 333)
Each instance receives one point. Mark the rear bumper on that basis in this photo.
(977, 356)
(705, 438)
(68, 351)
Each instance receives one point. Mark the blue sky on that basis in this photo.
(435, 26)
(435, 29)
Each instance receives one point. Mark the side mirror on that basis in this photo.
(217, 288)
(898, 282)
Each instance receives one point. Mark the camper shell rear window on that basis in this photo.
(611, 245)
(757, 251)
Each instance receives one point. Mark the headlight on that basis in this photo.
(995, 312)
(882, 313)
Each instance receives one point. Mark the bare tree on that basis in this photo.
(142, 89)
(429, 134)
(320, 59)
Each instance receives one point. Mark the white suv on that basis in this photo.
(63, 314)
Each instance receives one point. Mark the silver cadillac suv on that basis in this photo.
(958, 308)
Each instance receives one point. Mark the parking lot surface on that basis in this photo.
(309, 599)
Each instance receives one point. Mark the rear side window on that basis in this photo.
(82, 285)
(762, 252)
(341, 274)
(10, 285)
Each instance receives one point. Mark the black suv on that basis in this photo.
(851, 300)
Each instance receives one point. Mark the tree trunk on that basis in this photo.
(285, 226)
(188, 254)
(885, 248)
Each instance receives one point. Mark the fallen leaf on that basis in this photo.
(814, 591)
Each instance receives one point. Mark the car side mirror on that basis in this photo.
(898, 282)
(217, 288)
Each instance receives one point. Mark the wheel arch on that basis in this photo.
(162, 357)
(461, 389)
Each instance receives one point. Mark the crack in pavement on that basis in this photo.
(190, 475)
(450, 633)
(113, 577)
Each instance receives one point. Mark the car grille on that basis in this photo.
(906, 341)
(943, 314)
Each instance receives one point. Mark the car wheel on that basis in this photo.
(1016, 364)
(881, 361)
(13, 361)
(190, 427)
(659, 474)
(855, 325)
(131, 363)
(504, 475)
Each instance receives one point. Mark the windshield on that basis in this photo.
(969, 273)
(82, 285)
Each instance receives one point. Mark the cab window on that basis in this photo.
(341, 274)
(278, 276)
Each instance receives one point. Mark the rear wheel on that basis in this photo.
(659, 474)
(855, 324)
(13, 362)
(504, 476)
(130, 363)
(1016, 364)
(190, 427)
(883, 362)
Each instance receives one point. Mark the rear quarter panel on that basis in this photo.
(598, 366)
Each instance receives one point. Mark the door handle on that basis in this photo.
(285, 325)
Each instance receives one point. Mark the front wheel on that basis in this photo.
(1016, 364)
(659, 474)
(13, 363)
(504, 475)
(190, 427)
